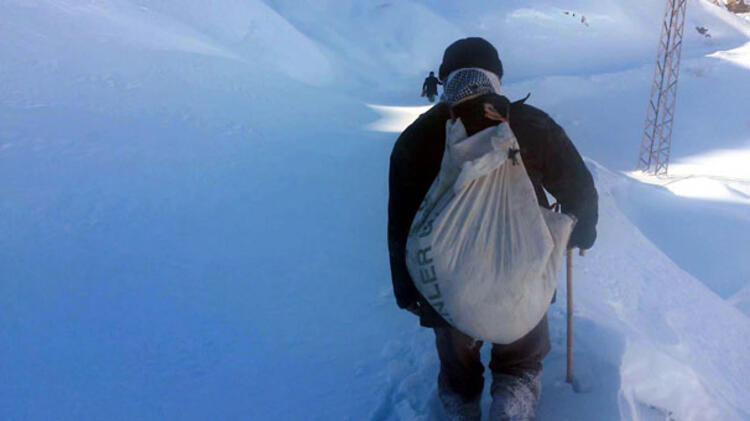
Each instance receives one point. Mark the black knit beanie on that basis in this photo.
(470, 52)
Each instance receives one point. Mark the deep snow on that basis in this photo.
(193, 208)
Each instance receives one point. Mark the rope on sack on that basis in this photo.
(513, 155)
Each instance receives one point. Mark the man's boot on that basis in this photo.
(514, 398)
(456, 407)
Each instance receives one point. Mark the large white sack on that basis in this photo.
(481, 250)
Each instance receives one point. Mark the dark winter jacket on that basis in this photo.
(429, 87)
(551, 161)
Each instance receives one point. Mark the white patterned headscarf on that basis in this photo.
(467, 83)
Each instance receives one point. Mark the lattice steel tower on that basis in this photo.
(657, 131)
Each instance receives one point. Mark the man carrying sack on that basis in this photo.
(474, 248)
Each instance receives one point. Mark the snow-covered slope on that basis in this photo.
(387, 43)
(193, 208)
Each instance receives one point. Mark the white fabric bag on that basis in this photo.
(481, 250)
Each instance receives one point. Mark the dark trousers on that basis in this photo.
(461, 369)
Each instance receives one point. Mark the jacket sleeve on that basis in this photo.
(401, 202)
(570, 182)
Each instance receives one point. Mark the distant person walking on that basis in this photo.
(429, 87)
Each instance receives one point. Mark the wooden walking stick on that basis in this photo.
(569, 269)
(569, 375)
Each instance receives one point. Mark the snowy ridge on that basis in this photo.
(686, 330)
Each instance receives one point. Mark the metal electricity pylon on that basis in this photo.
(657, 131)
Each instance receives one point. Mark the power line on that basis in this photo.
(657, 131)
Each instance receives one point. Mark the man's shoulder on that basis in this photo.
(426, 127)
(536, 131)
(530, 117)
